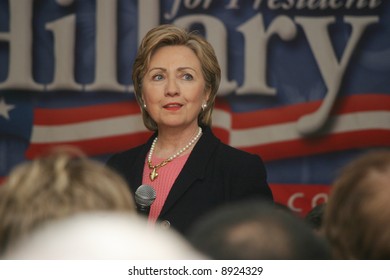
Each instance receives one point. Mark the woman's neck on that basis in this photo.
(170, 141)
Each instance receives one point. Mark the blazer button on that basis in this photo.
(165, 224)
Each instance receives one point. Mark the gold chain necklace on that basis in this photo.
(153, 174)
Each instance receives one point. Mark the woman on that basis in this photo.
(176, 77)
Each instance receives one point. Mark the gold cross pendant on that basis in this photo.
(153, 175)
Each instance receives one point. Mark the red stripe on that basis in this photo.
(222, 134)
(99, 146)
(323, 144)
(355, 103)
(44, 116)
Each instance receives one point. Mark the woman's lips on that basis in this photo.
(172, 106)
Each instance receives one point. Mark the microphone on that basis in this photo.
(144, 198)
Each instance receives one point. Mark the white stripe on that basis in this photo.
(288, 131)
(222, 119)
(87, 130)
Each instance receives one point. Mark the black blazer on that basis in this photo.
(214, 174)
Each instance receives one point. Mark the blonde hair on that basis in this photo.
(170, 35)
(54, 186)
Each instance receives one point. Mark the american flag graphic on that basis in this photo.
(357, 122)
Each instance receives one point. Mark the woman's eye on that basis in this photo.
(188, 77)
(157, 77)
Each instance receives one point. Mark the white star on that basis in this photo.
(5, 108)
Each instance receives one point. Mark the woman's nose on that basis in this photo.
(172, 87)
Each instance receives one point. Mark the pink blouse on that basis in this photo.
(163, 183)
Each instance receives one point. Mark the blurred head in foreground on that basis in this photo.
(357, 214)
(103, 235)
(55, 186)
(259, 230)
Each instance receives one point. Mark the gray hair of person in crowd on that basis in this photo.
(58, 184)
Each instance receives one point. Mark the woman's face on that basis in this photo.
(173, 88)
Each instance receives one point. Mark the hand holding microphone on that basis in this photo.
(144, 197)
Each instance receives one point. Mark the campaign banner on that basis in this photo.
(305, 83)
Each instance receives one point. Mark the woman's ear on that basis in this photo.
(207, 95)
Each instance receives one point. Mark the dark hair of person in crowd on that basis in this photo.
(256, 229)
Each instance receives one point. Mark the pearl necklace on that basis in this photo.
(153, 174)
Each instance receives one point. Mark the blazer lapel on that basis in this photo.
(194, 168)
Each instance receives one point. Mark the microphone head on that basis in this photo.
(145, 195)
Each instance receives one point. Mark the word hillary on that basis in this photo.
(255, 35)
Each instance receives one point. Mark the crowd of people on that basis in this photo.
(67, 206)
(212, 201)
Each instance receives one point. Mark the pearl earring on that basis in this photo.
(204, 106)
(144, 106)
